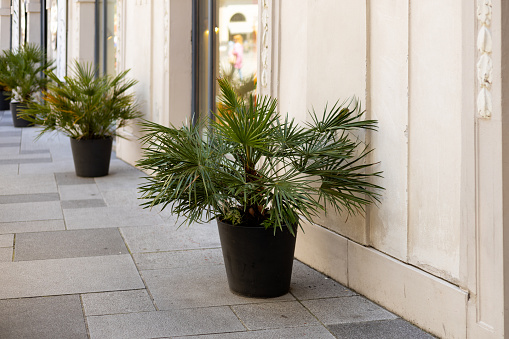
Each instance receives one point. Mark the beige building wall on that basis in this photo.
(155, 45)
(433, 250)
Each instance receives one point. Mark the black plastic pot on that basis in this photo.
(91, 157)
(17, 121)
(4, 101)
(258, 263)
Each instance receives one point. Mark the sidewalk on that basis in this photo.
(80, 259)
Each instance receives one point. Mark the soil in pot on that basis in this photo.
(16, 107)
(258, 262)
(91, 157)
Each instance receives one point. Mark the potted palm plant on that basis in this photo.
(259, 175)
(89, 109)
(21, 75)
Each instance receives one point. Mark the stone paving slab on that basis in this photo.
(311, 332)
(178, 259)
(68, 244)
(83, 203)
(192, 287)
(42, 318)
(24, 156)
(9, 150)
(274, 315)
(7, 240)
(103, 217)
(79, 192)
(164, 324)
(25, 161)
(30, 211)
(332, 311)
(70, 178)
(34, 151)
(68, 276)
(393, 329)
(9, 170)
(9, 144)
(31, 226)
(309, 284)
(117, 302)
(33, 184)
(20, 198)
(6, 254)
(169, 238)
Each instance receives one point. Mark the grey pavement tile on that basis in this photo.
(34, 151)
(9, 170)
(68, 276)
(191, 287)
(42, 318)
(381, 329)
(311, 332)
(32, 184)
(309, 284)
(31, 226)
(102, 217)
(164, 324)
(24, 161)
(20, 198)
(79, 192)
(176, 259)
(346, 310)
(10, 144)
(10, 133)
(169, 238)
(46, 168)
(30, 211)
(9, 150)
(6, 254)
(68, 244)
(7, 240)
(122, 198)
(82, 203)
(22, 156)
(117, 302)
(274, 315)
(70, 178)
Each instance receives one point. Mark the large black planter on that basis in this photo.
(4, 101)
(258, 263)
(91, 157)
(16, 120)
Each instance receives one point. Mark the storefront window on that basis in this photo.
(230, 27)
(106, 36)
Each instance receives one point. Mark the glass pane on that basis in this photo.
(111, 37)
(237, 33)
(203, 52)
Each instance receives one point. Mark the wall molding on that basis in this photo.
(484, 63)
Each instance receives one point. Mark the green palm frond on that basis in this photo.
(84, 105)
(251, 166)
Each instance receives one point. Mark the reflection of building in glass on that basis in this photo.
(238, 17)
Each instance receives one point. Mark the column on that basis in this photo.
(33, 9)
(5, 24)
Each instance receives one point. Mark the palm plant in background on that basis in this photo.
(85, 106)
(21, 72)
(252, 167)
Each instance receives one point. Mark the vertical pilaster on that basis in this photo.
(33, 11)
(82, 32)
(5, 24)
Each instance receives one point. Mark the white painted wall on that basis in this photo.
(5, 24)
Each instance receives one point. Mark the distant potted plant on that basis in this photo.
(89, 109)
(259, 175)
(21, 74)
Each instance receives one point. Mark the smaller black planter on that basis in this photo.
(258, 263)
(17, 121)
(91, 157)
(4, 101)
